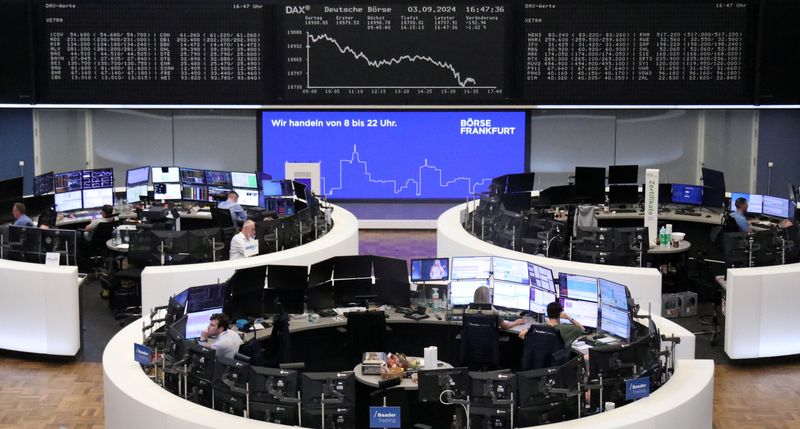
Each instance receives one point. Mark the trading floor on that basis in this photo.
(46, 394)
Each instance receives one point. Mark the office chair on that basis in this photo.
(99, 257)
(126, 284)
(279, 346)
(543, 347)
(366, 332)
(222, 218)
(509, 229)
(480, 342)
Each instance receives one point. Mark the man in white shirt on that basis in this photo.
(244, 244)
(227, 342)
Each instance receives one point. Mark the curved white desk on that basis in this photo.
(453, 240)
(761, 303)
(133, 401)
(39, 308)
(161, 282)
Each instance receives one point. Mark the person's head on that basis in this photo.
(741, 204)
(233, 196)
(554, 310)
(107, 211)
(249, 228)
(482, 296)
(18, 210)
(218, 323)
(437, 263)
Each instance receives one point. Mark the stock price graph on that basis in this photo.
(423, 52)
(396, 155)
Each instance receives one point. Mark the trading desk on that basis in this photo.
(161, 282)
(684, 400)
(453, 240)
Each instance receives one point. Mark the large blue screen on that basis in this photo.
(397, 155)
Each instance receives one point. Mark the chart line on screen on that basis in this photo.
(462, 82)
(356, 158)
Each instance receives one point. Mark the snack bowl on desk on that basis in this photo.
(677, 237)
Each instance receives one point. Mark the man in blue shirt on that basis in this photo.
(20, 218)
(738, 215)
(232, 204)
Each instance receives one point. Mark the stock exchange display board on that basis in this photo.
(492, 52)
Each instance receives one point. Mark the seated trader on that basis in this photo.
(106, 215)
(244, 244)
(569, 333)
(227, 342)
(738, 215)
(20, 218)
(232, 204)
(483, 296)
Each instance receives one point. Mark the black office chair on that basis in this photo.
(480, 342)
(543, 347)
(99, 257)
(125, 285)
(223, 219)
(366, 332)
(279, 346)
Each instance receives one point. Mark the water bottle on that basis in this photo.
(435, 299)
(118, 238)
(661, 234)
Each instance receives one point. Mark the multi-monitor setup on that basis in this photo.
(79, 189)
(527, 287)
(766, 205)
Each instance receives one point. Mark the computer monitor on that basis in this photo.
(192, 176)
(487, 387)
(391, 281)
(615, 321)
(134, 194)
(434, 382)
(714, 192)
(320, 296)
(470, 267)
(198, 321)
(11, 188)
(623, 174)
(287, 277)
(462, 292)
(777, 207)
(510, 270)
(231, 372)
(577, 287)
(202, 298)
(182, 298)
(755, 202)
(175, 344)
(664, 192)
(286, 207)
(166, 175)
(590, 184)
(43, 184)
(347, 292)
(273, 385)
(611, 360)
(68, 201)
(194, 192)
(248, 197)
(520, 182)
(337, 386)
(166, 191)
(584, 312)
(93, 198)
(68, 181)
(423, 270)
(97, 178)
(352, 267)
(541, 277)
(216, 193)
(277, 301)
(623, 194)
(534, 386)
(244, 292)
(171, 242)
(218, 178)
(137, 176)
(613, 294)
(687, 194)
(511, 295)
(244, 180)
(271, 188)
(540, 299)
(299, 190)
